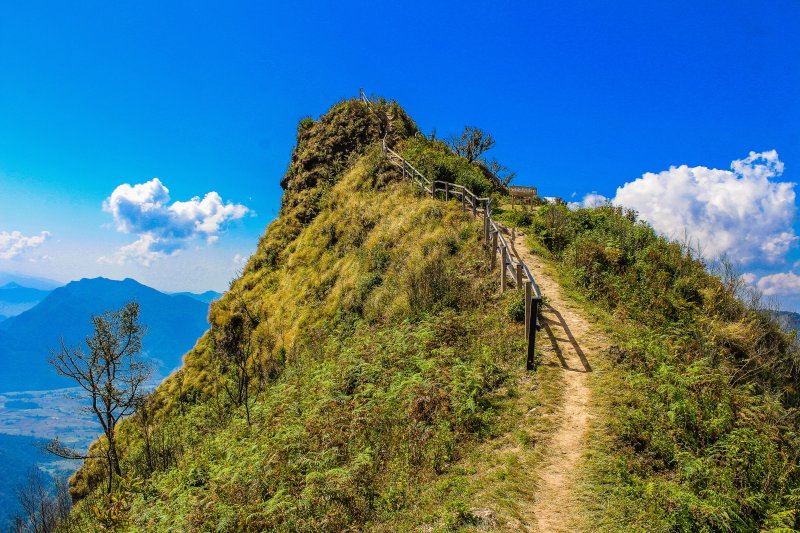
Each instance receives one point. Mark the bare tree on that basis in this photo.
(471, 143)
(502, 174)
(43, 511)
(237, 353)
(111, 373)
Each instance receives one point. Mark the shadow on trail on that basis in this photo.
(550, 318)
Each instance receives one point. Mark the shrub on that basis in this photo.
(515, 308)
(436, 162)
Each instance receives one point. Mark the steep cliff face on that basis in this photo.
(379, 348)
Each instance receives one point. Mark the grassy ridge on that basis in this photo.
(700, 425)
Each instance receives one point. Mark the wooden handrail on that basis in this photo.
(492, 235)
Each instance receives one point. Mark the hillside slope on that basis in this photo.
(695, 424)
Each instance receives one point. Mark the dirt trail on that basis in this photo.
(569, 341)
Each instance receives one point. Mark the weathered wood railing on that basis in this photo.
(511, 270)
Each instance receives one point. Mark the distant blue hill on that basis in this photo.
(791, 319)
(16, 299)
(174, 322)
(206, 297)
(43, 284)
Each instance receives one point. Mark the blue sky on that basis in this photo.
(582, 97)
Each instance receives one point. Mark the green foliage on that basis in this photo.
(515, 307)
(520, 217)
(111, 510)
(435, 160)
(703, 413)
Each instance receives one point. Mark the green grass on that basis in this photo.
(696, 423)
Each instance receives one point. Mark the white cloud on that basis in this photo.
(14, 243)
(749, 278)
(742, 212)
(780, 284)
(590, 200)
(239, 259)
(163, 228)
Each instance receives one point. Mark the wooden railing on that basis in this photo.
(511, 270)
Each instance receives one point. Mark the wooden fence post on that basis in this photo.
(519, 275)
(433, 189)
(502, 269)
(494, 247)
(446, 191)
(528, 291)
(530, 364)
(463, 200)
(474, 208)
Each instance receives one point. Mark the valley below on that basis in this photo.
(28, 420)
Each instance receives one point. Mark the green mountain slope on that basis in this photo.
(392, 394)
(696, 419)
(388, 357)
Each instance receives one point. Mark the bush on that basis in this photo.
(436, 162)
(515, 308)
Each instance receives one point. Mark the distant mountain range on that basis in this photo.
(206, 297)
(16, 299)
(42, 284)
(792, 319)
(174, 322)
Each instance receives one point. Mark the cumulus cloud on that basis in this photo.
(780, 284)
(742, 212)
(164, 228)
(14, 243)
(590, 200)
(749, 278)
